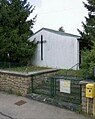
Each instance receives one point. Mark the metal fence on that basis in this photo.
(51, 88)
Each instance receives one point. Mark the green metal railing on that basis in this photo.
(71, 68)
(50, 88)
(53, 87)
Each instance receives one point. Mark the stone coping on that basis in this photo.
(86, 82)
(27, 74)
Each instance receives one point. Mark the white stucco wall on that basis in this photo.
(58, 52)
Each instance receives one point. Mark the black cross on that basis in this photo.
(41, 46)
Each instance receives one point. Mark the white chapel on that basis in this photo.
(56, 49)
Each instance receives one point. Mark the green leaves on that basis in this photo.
(88, 63)
(15, 31)
(88, 36)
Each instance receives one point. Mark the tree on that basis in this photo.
(88, 35)
(61, 29)
(15, 31)
(88, 64)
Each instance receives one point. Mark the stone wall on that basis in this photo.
(20, 83)
(88, 111)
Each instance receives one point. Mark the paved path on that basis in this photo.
(32, 109)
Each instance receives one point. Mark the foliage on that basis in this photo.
(88, 41)
(18, 93)
(88, 63)
(88, 35)
(61, 29)
(15, 30)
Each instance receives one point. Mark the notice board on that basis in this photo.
(65, 86)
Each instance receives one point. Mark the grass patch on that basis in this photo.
(75, 73)
(27, 68)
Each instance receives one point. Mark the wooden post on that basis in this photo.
(93, 107)
(87, 106)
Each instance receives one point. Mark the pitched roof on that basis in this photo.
(57, 32)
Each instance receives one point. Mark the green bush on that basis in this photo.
(88, 63)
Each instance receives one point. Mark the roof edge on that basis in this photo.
(57, 32)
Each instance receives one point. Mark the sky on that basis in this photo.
(56, 13)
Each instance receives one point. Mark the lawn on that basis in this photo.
(28, 68)
(23, 68)
(36, 68)
(20, 67)
(75, 73)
